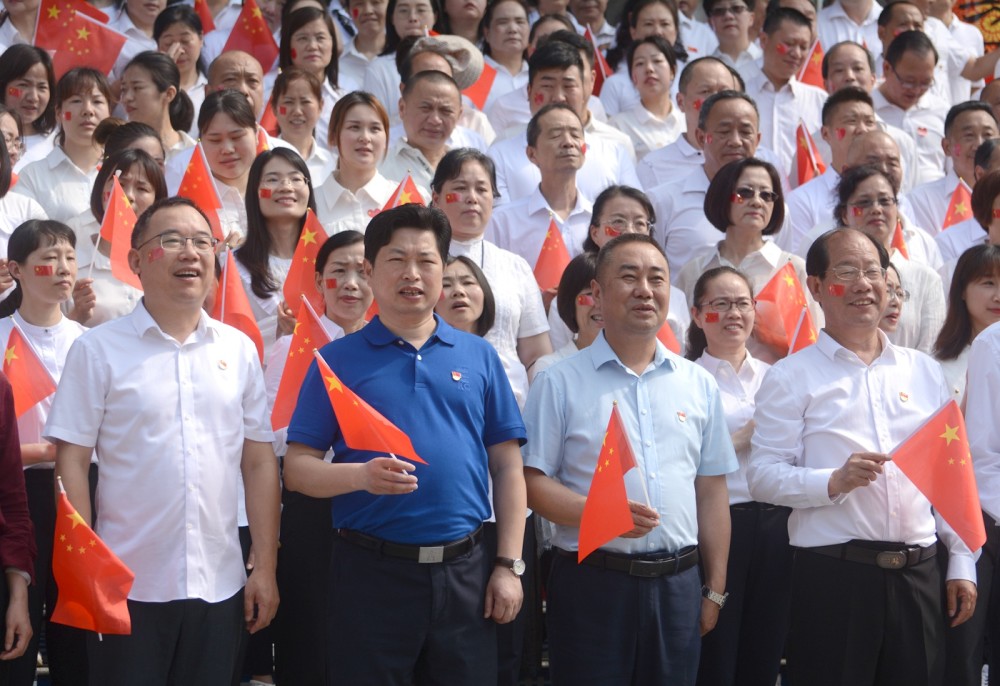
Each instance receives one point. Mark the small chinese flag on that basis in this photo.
(808, 161)
(55, 17)
(232, 306)
(783, 319)
(268, 123)
(262, 143)
(93, 583)
(959, 207)
(606, 514)
(205, 14)
(937, 460)
(666, 336)
(252, 35)
(309, 334)
(812, 71)
(198, 186)
(86, 41)
(552, 259)
(372, 311)
(899, 241)
(602, 70)
(480, 90)
(29, 379)
(364, 428)
(116, 229)
(405, 193)
(301, 278)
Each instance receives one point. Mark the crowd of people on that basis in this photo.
(686, 156)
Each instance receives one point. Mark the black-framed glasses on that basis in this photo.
(171, 241)
(746, 193)
(852, 274)
(742, 305)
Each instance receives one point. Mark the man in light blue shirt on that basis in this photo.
(632, 611)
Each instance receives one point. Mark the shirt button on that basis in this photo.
(642, 412)
(652, 476)
(399, 342)
(419, 358)
(648, 444)
(190, 527)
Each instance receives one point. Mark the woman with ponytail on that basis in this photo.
(42, 261)
(152, 94)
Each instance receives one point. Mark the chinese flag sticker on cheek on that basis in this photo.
(14, 92)
(67, 116)
(44, 270)
(155, 254)
(711, 317)
(857, 211)
(611, 231)
(331, 283)
(837, 290)
(264, 193)
(451, 197)
(282, 109)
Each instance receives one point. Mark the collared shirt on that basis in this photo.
(737, 389)
(781, 111)
(697, 37)
(519, 309)
(929, 202)
(971, 38)
(338, 209)
(505, 82)
(923, 315)
(197, 94)
(58, 185)
(546, 361)
(9, 35)
(321, 162)
(982, 400)
(747, 63)
(233, 213)
(382, 80)
(137, 41)
(958, 238)
(681, 226)
(15, 209)
(184, 143)
(510, 114)
(618, 93)
(925, 124)
(114, 298)
(604, 37)
(520, 227)
(808, 206)
(351, 67)
(952, 58)
(265, 310)
(607, 162)
(674, 420)
(822, 404)
(956, 374)
(670, 163)
(169, 421)
(403, 159)
(648, 131)
(835, 26)
(451, 397)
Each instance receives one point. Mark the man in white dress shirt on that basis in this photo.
(172, 448)
(867, 605)
(850, 20)
(730, 20)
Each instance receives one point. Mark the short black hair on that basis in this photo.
(577, 276)
(843, 96)
(452, 163)
(553, 55)
(916, 42)
(607, 251)
(575, 40)
(661, 44)
(609, 194)
(818, 257)
(411, 216)
(341, 239)
(142, 224)
(885, 16)
(433, 77)
(774, 19)
(825, 67)
(721, 96)
(961, 108)
(489, 314)
(718, 198)
(535, 125)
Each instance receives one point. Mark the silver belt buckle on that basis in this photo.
(430, 554)
(891, 559)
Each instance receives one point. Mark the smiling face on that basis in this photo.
(80, 114)
(725, 331)
(854, 306)
(298, 109)
(29, 95)
(48, 274)
(982, 298)
(283, 191)
(871, 209)
(11, 137)
(461, 304)
(344, 286)
(362, 140)
(467, 201)
(894, 302)
(785, 50)
(589, 320)
(177, 280)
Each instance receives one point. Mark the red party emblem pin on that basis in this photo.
(331, 283)
(681, 417)
(921, 130)
(456, 376)
(44, 270)
(372, 213)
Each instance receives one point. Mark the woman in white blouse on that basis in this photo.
(279, 196)
(27, 86)
(577, 310)
(61, 182)
(747, 643)
(179, 33)
(151, 93)
(228, 131)
(296, 101)
(355, 191)
(505, 40)
(464, 188)
(15, 209)
(309, 43)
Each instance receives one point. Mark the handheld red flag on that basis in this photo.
(808, 161)
(262, 143)
(959, 207)
(93, 583)
(309, 334)
(205, 14)
(666, 336)
(86, 40)
(268, 122)
(602, 70)
(252, 35)
(606, 513)
(937, 460)
(899, 241)
(198, 186)
(29, 379)
(232, 306)
(116, 229)
(363, 426)
(480, 90)
(783, 319)
(552, 259)
(56, 17)
(301, 278)
(812, 71)
(405, 193)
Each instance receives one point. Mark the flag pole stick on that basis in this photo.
(97, 249)
(798, 328)
(222, 286)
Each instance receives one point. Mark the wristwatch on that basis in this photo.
(516, 566)
(717, 598)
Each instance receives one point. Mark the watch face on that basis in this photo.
(519, 567)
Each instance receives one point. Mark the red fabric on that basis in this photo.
(666, 336)
(899, 242)
(808, 161)
(301, 278)
(205, 14)
(198, 186)
(252, 35)
(937, 460)
(606, 514)
(552, 259)
(29, 378)
(268, 122)
(116, 229)
(602, 70)
(93, 583)
(812, 70)
(406, 192)
(959, 207)
(232, 306)
(78, 39)
(782, 310)
(480, 90)
(309, 335)
(17, 533)
(364, 428)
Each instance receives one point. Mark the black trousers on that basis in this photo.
(178, 643)
(66, 646)
(607, 628)
(511, 636)
(300, 627)
(856, 624)
(746, 646)
(399, 622)
(256, 655)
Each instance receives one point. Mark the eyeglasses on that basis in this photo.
(742, 305)
(174, 242)
(720, 12)
(882, 201)
(621, 224)
(852, 274)
(898, 294)
(912, 84)
(294, 180)
(14, 143)
(744, 193)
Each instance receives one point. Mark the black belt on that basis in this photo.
(898, 558)
(649, 566)
(755, 506)
(418, 553)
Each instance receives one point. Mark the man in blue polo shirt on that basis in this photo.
(414, 593)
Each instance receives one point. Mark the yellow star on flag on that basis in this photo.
(961, 209)
(803, 143)
(817, 59)
(54, 12)
(10, 356)
(333, 384)
(789, 280)
(950, 434)
(308, 236)
(82, 33)
(257, 12)
(76, 519)
(404, 198)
